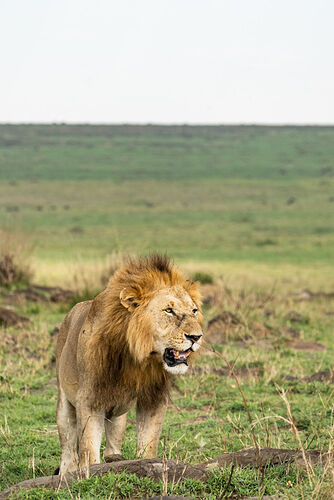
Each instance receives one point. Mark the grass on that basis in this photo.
(246, 210)
(208, 417)
(259, 194)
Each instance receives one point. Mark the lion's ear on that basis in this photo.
(130, 298)
(194, 292)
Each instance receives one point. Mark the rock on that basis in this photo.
(11, 318)
(302, 345)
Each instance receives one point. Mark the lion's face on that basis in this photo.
(176, 327)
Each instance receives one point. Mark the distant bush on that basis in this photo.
(9, 140)
(14, 266)
(203, 278)
(12, 272)
(265, 242)
(76, 230)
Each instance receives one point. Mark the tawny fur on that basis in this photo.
(109, 357)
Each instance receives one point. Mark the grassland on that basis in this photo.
(250, 206)
(251, 194)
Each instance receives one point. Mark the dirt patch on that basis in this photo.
(256, 334)
(19, 296)
(241, 371)
(220, 327)
(55, 293)
(63, 296)
(305, 295)
(321, 376)
(36, 293)
(295, 317)
(11, 318)
(261, 343)
(292, 333)
(226, 326)
(304, 345)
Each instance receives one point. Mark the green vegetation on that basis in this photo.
(247, 211)
(261, 194)
(276, 341)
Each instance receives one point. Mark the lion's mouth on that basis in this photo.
(172, 357)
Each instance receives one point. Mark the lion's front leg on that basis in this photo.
(115, 428)
(90, 427)
(149, 425)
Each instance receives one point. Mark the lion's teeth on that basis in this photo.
(180, 354)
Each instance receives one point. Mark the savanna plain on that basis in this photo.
(248, 211)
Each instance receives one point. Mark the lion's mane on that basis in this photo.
(119, 354)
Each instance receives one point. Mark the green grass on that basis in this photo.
(210, 418)
(244, 482)
(207, 193)
(249, 207)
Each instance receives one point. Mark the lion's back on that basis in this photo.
(71, 325)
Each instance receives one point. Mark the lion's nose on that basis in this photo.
(193, 338)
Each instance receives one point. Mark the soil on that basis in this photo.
(29, 294)
(240, 371)
(321, 376)
(219, 327)
(226, 326)
(36, 293)
(294, 317)
(302, 345)
(11, 318)
(293, 333)
(304, 295)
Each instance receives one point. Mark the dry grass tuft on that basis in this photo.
(88, 279)
(14, 259)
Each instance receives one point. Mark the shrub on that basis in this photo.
(203, 278)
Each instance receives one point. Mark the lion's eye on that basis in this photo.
(169, 310)
(195, 311)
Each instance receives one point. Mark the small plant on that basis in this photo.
(266, 242)
(202, 277)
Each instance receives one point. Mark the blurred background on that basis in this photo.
(202, 129)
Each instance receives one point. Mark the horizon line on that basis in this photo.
(171, 124)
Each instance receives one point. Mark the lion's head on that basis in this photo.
(164, 318)
(170, 319)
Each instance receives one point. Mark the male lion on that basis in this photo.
(119, 349)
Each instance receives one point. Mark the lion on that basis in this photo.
(120, 349)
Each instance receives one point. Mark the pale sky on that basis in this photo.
(167, 61)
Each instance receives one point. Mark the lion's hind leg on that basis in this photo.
(67, 429)
(114, 428)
